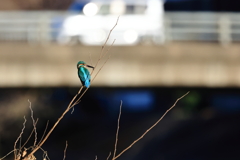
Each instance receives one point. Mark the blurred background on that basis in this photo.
(162, 50)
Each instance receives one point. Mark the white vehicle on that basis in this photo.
(139, 22)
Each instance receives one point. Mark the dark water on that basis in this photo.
(203, 125)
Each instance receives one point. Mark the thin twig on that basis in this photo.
(116, 141)
(44, 132)
(15, 144)
(65, 150)
(54, 126)
(72, 110)
(78, 100)
(90, 57)
(105, 61)
(108, 155)
(104, 45)
(56, 123)
(80, 90)
(45, 155)
(7, 154)
(150, 127)
(101, 67)
(20, 144)
(34, 125)
(102, 50)
(109, 48)
(29, 136)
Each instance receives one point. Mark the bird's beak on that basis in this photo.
(90, 66)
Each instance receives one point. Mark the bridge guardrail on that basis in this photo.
(31, 26)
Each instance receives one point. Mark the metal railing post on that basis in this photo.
(224, 30)
(45, 36)
(167, 30)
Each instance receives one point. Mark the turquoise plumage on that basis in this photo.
(84, 74)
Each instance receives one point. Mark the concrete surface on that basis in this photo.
(173, 64)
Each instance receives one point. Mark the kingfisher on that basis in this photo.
(83, 73)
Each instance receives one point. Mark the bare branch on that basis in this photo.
(150, 127)
(119, 116)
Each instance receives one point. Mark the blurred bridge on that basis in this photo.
(43, 27)
(200, 49)
(173, 64)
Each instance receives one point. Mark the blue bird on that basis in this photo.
(83, 73)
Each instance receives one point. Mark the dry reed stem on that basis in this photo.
(28, 136)
(65, 150)
(150, 127)
(116, 141)
(20, 135)
(34, 125)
